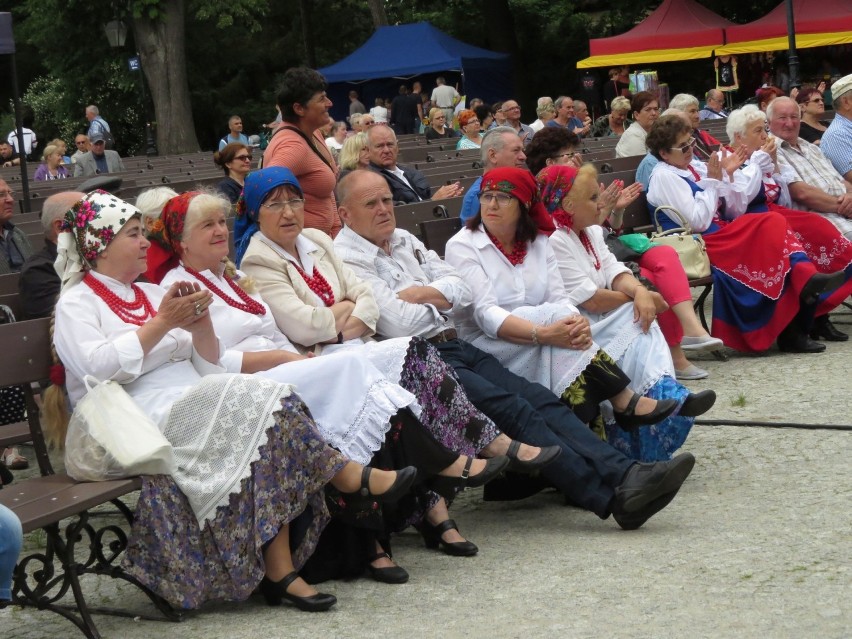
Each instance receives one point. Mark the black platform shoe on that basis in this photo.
(432, 538)
(447, 487)
(629, 420)
(545, 456)
(824, 329)
(276, 591)
(405, 479)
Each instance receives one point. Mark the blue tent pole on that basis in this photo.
(792, 57)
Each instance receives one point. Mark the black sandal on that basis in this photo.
(545, 456)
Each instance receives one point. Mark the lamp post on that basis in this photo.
(792, 57)
(116, 33)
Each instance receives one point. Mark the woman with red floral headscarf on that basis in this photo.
(622, 311)
(522, 315)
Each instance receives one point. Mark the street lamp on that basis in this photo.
(116, 33)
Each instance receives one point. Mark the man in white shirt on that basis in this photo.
(417, 293)
(445, 98)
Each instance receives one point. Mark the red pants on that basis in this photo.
(661, 266)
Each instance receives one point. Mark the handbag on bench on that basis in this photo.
(109, 437)
(690, 246)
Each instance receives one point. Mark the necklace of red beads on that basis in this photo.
(318, 284)
(127, 311)
(247, 304)
(518, 254)
(587, 244)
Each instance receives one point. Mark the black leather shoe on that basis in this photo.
(641, 493)
(389, 574)
(405, 478)
(799, 343)
(545, 456)
(276, 591)
(697, 404)
(824, 329)
(447, 487)
(432, 538)
(820, 283)
(629, 420)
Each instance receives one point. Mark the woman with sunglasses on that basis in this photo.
(812, 106)
(235, 159)
(764, 285)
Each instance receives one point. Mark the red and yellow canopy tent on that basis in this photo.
(676, 30)
(817, 23)
(685, 30)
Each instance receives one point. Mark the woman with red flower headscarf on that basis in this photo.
(522, 315)
(622, 311)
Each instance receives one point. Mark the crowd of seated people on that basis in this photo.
(384, 379)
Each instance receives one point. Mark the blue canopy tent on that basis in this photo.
(407, 51)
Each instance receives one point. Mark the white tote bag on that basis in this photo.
(109, 437)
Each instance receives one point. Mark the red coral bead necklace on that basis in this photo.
(247, 304)
(126, 311)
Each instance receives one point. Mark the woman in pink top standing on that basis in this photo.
(298, 146)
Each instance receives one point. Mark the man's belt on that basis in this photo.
(444, 336)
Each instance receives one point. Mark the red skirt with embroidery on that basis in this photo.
(825, 246)
(759, 270)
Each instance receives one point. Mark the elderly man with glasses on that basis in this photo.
(512, 112)
(714, 102)
(15, 248)
(814, 183)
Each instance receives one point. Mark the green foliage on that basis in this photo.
(46, 98)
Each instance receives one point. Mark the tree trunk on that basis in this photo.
(377, 10)
(503, 37)
(307, 34)
(163, 58)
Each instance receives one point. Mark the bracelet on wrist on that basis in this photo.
(534, 335)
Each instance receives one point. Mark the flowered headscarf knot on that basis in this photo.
(165, 234)
(554, 183)
(88, 227)
(167, 231)
(257, 188)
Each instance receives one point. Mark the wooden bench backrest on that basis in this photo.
(436, 233)
(9, 283)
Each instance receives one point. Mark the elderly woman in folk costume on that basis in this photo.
(246, 467)
(621, 310)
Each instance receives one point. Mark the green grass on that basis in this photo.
(739, 401)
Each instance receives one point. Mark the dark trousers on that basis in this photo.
(587, 471)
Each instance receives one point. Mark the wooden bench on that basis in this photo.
(72, 548)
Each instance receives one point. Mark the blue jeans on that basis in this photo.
(587, 471)
(11, 538)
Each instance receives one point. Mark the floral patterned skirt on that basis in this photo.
(189, 565)
(448, 415)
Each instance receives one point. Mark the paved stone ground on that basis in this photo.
(757, 544)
